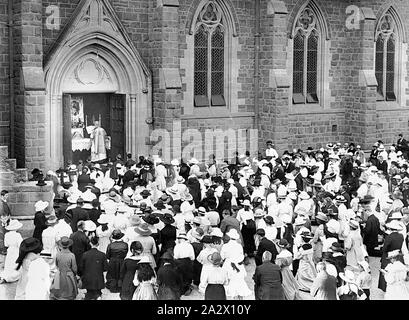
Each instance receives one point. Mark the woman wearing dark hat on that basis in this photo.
(170, 280)
(64, 286)
(215, 280)
(149, 246)
(128, 270)
(306, 272)
(168, 233)
(152, 220)
(30, 250)
(336, 256)
(284, 259)
(116, 253)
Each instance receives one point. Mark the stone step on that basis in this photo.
(21, 175)
(10, 164)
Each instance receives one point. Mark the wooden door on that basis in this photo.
(67, 135)
(117, 119)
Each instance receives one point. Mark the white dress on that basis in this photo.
(237, 285)
(12, 241)
(38, 280)
(397, 286)
(104, 238)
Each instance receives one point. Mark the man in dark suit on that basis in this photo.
(78, 214)
(84, 180)
(265, 245)
(5, 214)
(268, 280)
(80, 243)
(170, 281)
(370, 234)
(402, 145)
(93, 265)
(288, 165)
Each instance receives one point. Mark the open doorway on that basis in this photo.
(94, 127)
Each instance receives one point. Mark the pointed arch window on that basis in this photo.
(385, 57)
(306, 55)
(209, 57)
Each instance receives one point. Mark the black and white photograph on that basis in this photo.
(221, 151)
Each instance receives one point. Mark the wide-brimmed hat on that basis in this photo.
(283, 243)
(103, 219)
(182, 235)
(340, 199)
(299, 221)
(180, 179)
(135, 220)
(172, 190)
(304, 196)
(246, 203)
(144, 259)
(143, 229)
(65, 242)
(216, 232)
(90, 226)
(159, 205)
(330, 176)
(394, 254)
(14, 225)
(201, 211)
(51, 220)
(187, 197)
(259, 213)
(269, 220)
(167, 218)
(145, 193)
(337, 247)
(207, 239)
(150, 219)
(348, 276)
(30, 245)
(117, 234)
(41, 205)
(215, 258)
(396, 215)
(322, 217)
(364, 265)
(333, 226)
(394, 225)
(233, 234)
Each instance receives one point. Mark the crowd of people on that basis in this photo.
(308, 219)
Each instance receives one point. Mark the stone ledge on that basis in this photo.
(170, 79)
(168, 3)
(31, 187)
(368, 13)
(32, 79)
(367, 78)
(279, 79)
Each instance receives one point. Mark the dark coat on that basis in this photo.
(184, 171)
(371, 231)
(128, 271)
(392, 242)
(79, 246)
(84, 180)
(94, 215)
(4, 209)
(170, 283)
(93, 265)
(116, 253)
(39, 225)
(268, 282)
(265, 245)
(78, 214)
(168, 238)
(225, 202)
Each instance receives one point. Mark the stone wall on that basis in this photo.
(4, 75)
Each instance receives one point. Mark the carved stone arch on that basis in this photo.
(95, 40)
(319, 13)
(401, 29)
(226, 7)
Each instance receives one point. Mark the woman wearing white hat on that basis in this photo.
(395, 274)
(350, 289)
(104, 231)
(393, 241)
(40, 219)
(12, 240)
(353, 244)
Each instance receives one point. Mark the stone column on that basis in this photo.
(275, 83)
(361, 119)
(29, 85)
(166, 64)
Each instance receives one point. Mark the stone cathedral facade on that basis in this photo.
(301, 72)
